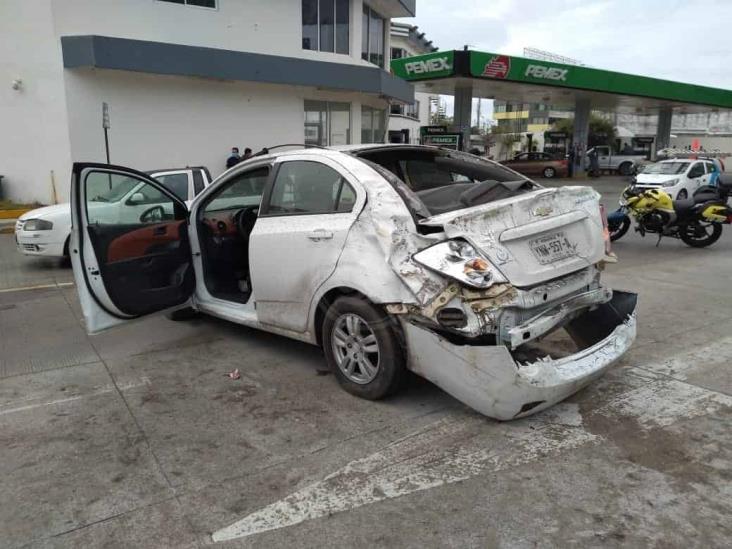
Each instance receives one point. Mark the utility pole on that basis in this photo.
(105, 125)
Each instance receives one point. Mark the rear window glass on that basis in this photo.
(443, 181)
(304, 187)
(177, 183)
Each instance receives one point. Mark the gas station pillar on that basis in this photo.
(581, 132)
(663, 129)
(463, 112)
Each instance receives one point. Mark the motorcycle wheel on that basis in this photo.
(699, 235)
(619, 228)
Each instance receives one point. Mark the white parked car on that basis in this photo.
(679, 177)
(46, 231)
(390, 257)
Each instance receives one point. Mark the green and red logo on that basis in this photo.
(497, 67)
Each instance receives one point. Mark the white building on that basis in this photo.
(405, 119)
(185, 81)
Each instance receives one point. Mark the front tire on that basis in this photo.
(625, 168)
(362, 349)
(698, 235)
(549, 172)
(683, 195)
(618, 230)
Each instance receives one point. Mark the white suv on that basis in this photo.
(679, 177)
(390, 257)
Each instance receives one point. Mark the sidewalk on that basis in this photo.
(7, 225)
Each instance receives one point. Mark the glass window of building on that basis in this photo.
(327, 123)
(197, 3)
(325, 25)
(398, 53)
(372, 38)
(373, 124)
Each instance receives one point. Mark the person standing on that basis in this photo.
(234, 158)
(247, 154)
(594, 163)
(570, 162)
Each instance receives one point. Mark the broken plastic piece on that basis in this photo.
(234, 374)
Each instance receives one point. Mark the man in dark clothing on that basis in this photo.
(247, 154)
(594, 163)
(570, 162)
(234, 158)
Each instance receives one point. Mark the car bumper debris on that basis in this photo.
(494, 381)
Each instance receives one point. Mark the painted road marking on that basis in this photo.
(110, 388)
(450, 450)
(679, 366)
(38, 287)
(462, 446)
(665, 402)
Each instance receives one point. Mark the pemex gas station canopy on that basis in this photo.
(519, 79)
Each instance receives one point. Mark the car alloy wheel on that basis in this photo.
(549, 172)
(355, 348)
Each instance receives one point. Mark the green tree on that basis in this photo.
(602, 131)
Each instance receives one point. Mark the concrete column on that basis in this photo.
(463, 112)
(581, 132)
(663, 129)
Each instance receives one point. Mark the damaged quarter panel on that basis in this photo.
(376, 256)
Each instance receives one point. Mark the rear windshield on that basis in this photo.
(439, 181)
(666, 168)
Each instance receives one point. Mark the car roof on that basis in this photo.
(685, 160)
(151, 172)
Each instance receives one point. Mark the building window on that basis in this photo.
(411, 110)
(398, 53)
(327, 123)
(197, 3)
(373, 124)
(372, 37)
(325, 25)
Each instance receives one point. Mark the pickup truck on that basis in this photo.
(609, 161)
(45, 231)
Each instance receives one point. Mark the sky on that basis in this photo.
(687, 41)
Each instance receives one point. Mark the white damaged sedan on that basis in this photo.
(390, 257)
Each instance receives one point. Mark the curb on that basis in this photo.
(7, 230)
(13, 214)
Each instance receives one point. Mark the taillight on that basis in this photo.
(605, 231)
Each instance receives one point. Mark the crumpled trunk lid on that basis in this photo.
(534, 237)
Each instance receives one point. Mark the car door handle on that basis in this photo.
(160, 231)
(320, 234)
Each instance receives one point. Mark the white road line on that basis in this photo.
(103, 390)
(679, 366)
(665, 402)
(448, 451)
(38, 287)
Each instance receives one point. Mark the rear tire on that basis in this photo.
(625, 168)
(362, 349)
(698, 236)
(549, 172)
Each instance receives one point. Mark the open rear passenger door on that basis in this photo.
(130, 248)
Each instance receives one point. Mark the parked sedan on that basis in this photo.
(46, 231)
(389, 257)
(538, 163)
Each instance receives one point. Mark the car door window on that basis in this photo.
(177, 183)
(140, 240)
(245, 189)
(696, 170)
(521, 157)
(117, 198)
(710, 167)
(306, 187)
(198, 184)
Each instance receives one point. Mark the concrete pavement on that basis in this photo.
(136, 438)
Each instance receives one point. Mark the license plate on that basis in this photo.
(552, 247)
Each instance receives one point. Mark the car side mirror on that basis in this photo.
(137, 198)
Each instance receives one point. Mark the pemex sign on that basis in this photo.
(432, 65)
(490, 65)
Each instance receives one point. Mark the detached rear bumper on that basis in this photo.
(488, 379)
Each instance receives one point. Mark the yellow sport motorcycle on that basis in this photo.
(697, 221)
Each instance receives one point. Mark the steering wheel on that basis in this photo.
(153, 215)
(245, 220)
